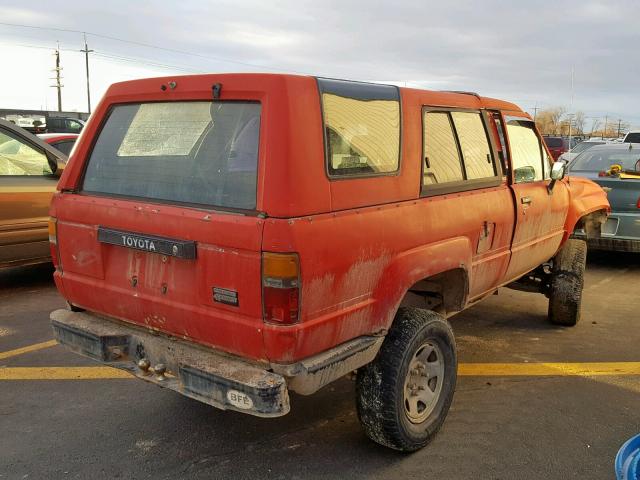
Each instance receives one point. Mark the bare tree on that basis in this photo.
(549, 120)
(578, 123)
(595, 124)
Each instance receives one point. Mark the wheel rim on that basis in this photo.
(423, 383)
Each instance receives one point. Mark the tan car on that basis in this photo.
(29, 172)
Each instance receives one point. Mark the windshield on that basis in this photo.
(186, 152)
(581, 147)
(600, 160)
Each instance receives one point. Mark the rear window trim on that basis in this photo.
(174, 203)
(460, 185)
(364, 98)
(79, 188)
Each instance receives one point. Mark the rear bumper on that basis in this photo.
(620, 233)
(215, 378)
(203, 374)
(614, 244)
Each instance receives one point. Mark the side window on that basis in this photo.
(74, 126)
(442, 161)
(64, 146)
(474, 144)
(362, 127)
(456, 148)
(19, 158)
(526, 151)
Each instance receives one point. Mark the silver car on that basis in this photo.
(579, 148)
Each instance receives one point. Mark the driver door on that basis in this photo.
(27, 182)
(540, 214)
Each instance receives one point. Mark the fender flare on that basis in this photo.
(586, 197)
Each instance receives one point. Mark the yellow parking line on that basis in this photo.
(61, 373)
(29, 348)
(548, 369)
(464, 369)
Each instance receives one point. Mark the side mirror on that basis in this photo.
(57, 164)
(59, 168)
(524, 174)
(558, 170)
(557, 173)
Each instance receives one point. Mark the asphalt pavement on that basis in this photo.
(534, 401)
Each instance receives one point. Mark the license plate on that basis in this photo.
(610, 227)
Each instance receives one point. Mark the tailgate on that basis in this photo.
(212, 298)
(162, 230)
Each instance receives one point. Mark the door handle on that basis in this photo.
(525, 200)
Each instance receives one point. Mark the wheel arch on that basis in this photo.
(429, 272)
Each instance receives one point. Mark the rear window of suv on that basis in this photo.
(202, 153)
(553, 142)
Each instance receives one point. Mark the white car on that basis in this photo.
(579, 148)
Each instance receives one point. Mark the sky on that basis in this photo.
(524, 52)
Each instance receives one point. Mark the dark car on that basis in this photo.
(62, 141)
(557, 146)
(616, 168)
(64, 125)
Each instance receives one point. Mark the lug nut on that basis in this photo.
(160, 370)
(143, 364)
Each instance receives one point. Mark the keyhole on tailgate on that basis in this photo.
(134, 281)
(163, 289)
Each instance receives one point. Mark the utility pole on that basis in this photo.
(619, 123)
(606, 124)
(535, 112)
(58, 78)
(86, 63)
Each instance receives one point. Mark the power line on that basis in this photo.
(148, 45)
(24, 45)
(110, 56)
(145, 62)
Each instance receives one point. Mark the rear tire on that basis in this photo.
(404, 395)
(567, 281)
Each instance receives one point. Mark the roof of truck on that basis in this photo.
(427, 97)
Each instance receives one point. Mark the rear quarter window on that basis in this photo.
(362, 127)
(202, 153)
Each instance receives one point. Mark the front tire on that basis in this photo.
(404, 395)
(567, 282)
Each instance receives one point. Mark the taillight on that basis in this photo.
(638, 203)
(280, 288)
(53, 242)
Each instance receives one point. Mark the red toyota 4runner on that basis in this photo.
(236, 237)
